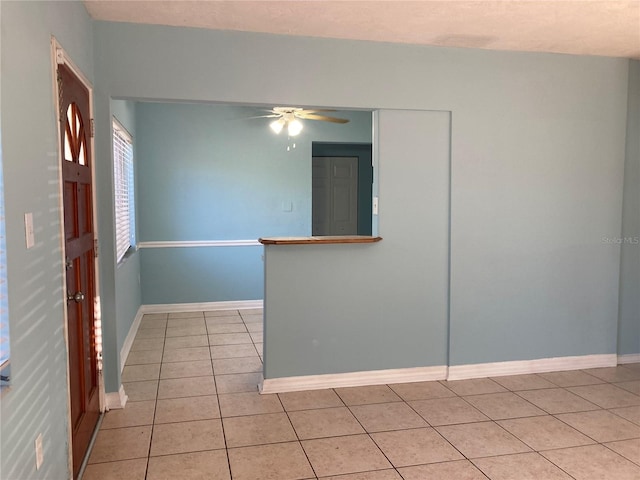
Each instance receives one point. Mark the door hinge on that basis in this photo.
(60, 56)
(95, 247)
(93, 128)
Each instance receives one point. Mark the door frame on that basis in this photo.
(60, 57)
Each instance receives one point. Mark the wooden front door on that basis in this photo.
(75, 138)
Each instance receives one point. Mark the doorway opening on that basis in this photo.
(342, 179)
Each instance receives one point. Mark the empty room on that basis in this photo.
(298, 240)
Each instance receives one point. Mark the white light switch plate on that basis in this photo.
(39, 452)
(28, 230)
(375, 205)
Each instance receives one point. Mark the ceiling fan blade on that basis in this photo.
(263, 116)
(315, 110)
(323, 118)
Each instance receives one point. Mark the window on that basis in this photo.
(123, 181)
(4, 306)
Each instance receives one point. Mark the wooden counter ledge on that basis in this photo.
(318, 240)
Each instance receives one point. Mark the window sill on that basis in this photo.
(128, 254)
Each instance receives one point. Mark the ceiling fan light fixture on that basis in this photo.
(277, 125)
(294, 127)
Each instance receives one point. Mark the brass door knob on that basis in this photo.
(77, 297)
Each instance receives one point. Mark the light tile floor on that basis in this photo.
(194, 413)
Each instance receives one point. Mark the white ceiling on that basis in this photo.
(583, 27)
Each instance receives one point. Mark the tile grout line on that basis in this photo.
(432, 426)
(215, 383)
(620, 455)
(369, 433)
(155, 403)
(295, 432)
(533, 450)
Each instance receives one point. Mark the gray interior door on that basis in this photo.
(335, 196)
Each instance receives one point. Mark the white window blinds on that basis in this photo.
(123, 181)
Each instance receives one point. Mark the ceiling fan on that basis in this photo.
(290, 117)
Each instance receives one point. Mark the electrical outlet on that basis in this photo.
(39, 452)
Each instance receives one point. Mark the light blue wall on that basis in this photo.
(37, 401)
(371, 306)
(537, 156)
(114, 282)
(211, 172)
(202, 274)
(629, 327)
(537, 175)
(127, 274)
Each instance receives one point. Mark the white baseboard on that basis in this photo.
(541, 365)
(424, 374)
(116, 400)
(128, 341)
(198, 307)
(629, 358)
(352, 379)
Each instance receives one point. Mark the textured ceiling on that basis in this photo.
(583, 27)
